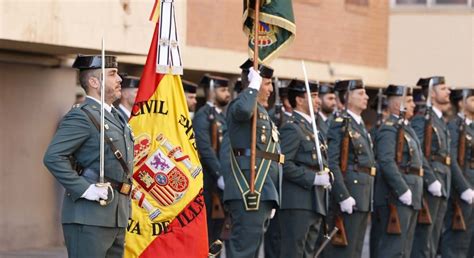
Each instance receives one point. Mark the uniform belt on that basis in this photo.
(123, 188)
(446, 160)
(280, 158)
(371, 171)
(412, 171)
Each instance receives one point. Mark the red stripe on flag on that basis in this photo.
(186, 234)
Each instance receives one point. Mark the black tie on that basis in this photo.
(117, 116)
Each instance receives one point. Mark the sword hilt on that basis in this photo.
(107, 185)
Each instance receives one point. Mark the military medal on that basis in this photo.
(263, 137)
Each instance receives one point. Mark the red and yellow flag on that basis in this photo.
(168, 212)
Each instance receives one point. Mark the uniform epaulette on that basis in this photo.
(389, 123)
(76, 105)
(339, 120)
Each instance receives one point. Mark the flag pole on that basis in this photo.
(253, 139)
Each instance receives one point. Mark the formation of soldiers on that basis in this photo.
(412, 177)
(406, 177)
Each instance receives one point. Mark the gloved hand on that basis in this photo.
(272, 213)
(221, 183)
(435, 188)
(95, 193)
(322, 179)
(406, 198)
(255, 80)
(467, 196)
(347, 205)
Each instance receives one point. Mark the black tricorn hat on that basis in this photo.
(458, 94)
(218, 81)
(189, 87)
(299, 86)
(282, 87)
(94, 62)
(425, 82)
(265, 71)
(325, 88)
(397, 90)
(129, 81)
(345, 85)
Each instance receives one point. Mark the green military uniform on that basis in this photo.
(455, 243)
(248, 226)
(358, 181)
(323, 125)
(92, 230)
(427, 236)
(212, 159)
(303, 203)
(391, 182)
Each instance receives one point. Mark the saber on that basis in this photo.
(379, 107)
(101, 182)
(326, 241)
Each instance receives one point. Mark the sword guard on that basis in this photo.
(111, 197)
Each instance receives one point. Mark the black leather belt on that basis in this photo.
(371, 171)
(280, 158)
(123, 188)
(412, 171)
(445, 160)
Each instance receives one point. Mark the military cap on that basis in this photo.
(325, 88)
(425, 82)
(94, 62)
(458, 94)
(189, 87)
(397, 90)
(299, 86)
(238, 85)
(218, 81)
(282, 87)
(265, 71)
(129, 81)
(345, 85)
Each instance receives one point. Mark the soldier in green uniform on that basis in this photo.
(437, 184)
(248, 221)
(353, 188)
(92, 230)
(303, 188)
(129, 93)
(455, 241)
(327, 107)
(399, 183)
(209, 126)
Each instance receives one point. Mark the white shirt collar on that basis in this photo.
(307, 117)
(323, 116)
(125, 110)
(106, 106)
(356, 117)
(285, 112)
(468, 121)
(438, 112)
(218, 110)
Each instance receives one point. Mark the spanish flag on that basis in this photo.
(168, 213)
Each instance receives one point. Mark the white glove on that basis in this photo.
(272, 213)
(322, 179)
(467, 196)
(406, 198)
(255, 79)
(94, 193)
(221, 183)
(435, 188)
(347, 205)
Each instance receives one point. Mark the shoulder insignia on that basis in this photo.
(389, 123)
(76, 105)
(339, 120)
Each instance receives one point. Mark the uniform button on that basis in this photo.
(128, 148)
(355, 181)
(68, 194)
(251, 92)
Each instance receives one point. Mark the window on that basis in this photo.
(402, 2)
(433, 3)
(463, 2)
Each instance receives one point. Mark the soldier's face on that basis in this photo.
(222, 96)
(316, 101)
(358, 99)
(328, 103)
(469, 106)
(265, 91)
(440, 94)
(409, 107)
(129, 95)
(191, 101)
(112, 84)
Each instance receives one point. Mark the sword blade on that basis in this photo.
(102, 119)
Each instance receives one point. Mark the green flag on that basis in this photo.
(276, 29)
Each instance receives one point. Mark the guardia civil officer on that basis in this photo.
(92, 230)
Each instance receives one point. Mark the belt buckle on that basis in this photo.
(125, 189)
(422, 172)
(118, 154)
(448, 160)
(281, 158)
(373, 171)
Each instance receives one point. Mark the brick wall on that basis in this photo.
(327, 30)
